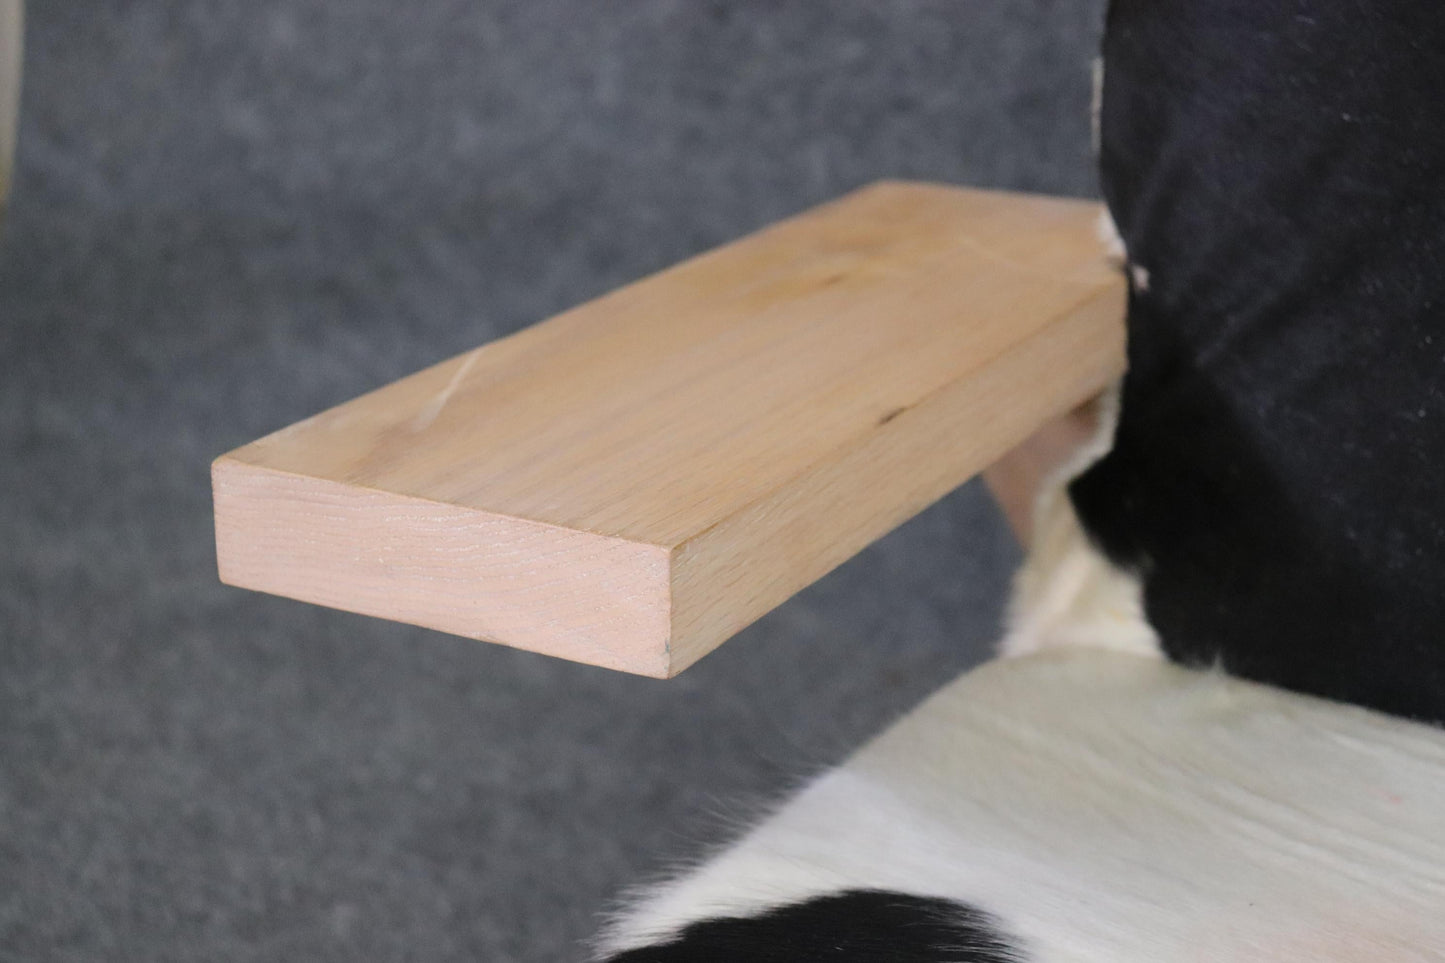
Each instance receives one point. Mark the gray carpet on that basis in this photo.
(230, 215)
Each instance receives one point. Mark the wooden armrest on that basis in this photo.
(637, 479)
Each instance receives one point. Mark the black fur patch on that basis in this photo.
(1278, 477)
(856, 926)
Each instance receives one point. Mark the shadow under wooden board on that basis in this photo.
(637, 479)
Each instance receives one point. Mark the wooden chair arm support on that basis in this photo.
(634, 481)
(1015, 479)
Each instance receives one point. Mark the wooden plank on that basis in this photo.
(635, 480)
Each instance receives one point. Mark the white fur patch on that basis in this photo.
(1108, 234)
(1139, 275)
(1067, 592)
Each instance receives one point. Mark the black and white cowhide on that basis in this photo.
(1277, 172)
(1079, 805)
(1266, 505)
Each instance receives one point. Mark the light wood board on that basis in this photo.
(637, 479)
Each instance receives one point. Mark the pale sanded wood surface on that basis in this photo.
(633, 481)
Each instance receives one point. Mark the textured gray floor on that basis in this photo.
(229, 215)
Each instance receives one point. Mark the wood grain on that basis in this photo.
(635, 480)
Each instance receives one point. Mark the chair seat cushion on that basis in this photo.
(1110, 807)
